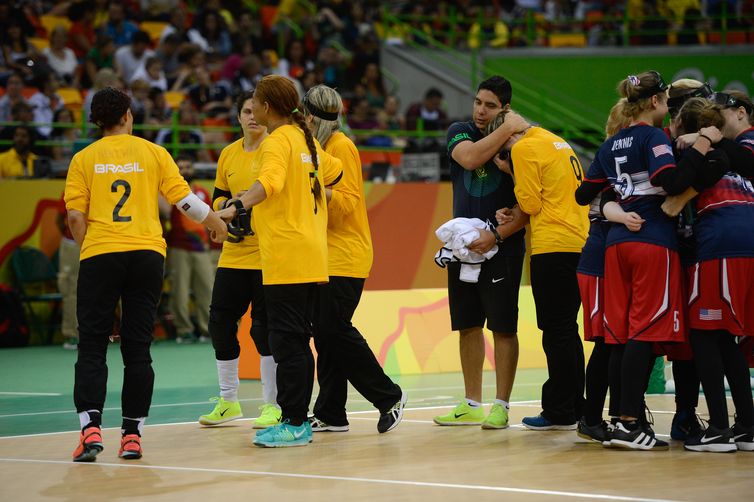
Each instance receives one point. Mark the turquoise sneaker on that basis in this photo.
(463, 414)
(497, 419)
(284, 435)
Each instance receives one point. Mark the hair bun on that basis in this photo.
(634, 80)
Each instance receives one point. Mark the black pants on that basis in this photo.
(343, 355)
(597, 382)
(557, 299)
(233, 291)
(134, 278)
(686, 385)
(290, 315)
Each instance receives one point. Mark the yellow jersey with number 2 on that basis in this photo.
(115, 182)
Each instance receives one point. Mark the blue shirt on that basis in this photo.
(592, 259)
(481, 192)
(628, 161)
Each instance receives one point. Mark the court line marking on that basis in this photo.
(424, 484)
(30, 394)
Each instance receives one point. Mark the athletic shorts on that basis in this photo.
(721, 295)
(493, 298)
(592, 292)
(643, 294)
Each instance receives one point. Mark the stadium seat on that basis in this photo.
(154, 28)
(36, 280)
(39, 43)
(732, 37)
(50, 22)
(73, 100)
(174, 98)
(567, 40)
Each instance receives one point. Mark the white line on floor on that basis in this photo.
(30, 394)
(424, 484)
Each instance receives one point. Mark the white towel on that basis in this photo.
(456, 235)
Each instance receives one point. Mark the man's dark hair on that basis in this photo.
(243, 98)
(108, 107)
(140, 36)
(500, 87)
(433, 92)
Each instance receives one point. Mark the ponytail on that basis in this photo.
(298, 117)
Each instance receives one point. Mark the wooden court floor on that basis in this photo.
(416, 461)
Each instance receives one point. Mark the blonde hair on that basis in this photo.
(323, 100)
(616, 120)
(496, 122)
(682, 86)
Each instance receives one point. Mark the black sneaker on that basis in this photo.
(390, 420)
(636, 436)
(685, 425)
(743, 437)
(713, 439)
(598, 433)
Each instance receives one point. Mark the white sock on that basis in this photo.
(268, 369)
(139, 425)
(472, 403)
(85, 418)
(227, 374)
(504, 403)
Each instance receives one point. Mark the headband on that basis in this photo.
(320, 113)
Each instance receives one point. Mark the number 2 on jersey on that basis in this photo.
(126, 193)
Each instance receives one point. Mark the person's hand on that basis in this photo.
(633, 221)
(515, 122)
(484, 243)
(685, 141)
(227, 214)
(218, 229)
(712, 132)
(504, 215)
(503, 165)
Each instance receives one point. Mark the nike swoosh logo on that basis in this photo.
(736, 438)
(223, 412)
(459, 416)
(230, 174)
(707, 440)
(495, 281)
(298, 434)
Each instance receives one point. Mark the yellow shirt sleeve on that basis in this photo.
(76, 188)
(274, 153)
(172, 185)
(345, 193)
(528, 188)
(221, 182)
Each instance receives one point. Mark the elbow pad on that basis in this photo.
(193, 207)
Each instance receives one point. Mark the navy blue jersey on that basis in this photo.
(592, 259)
(628, 161)
(724, 226)
(481, 192)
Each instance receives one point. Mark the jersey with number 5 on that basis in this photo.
(115, 182)
(628, 161)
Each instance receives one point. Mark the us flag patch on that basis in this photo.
(710, 314)
(662, 150)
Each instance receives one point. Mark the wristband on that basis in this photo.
(707, 138)
(498, 239)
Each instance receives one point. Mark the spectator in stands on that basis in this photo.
(101, 13)
(131, 57)
(46, 102)
(187, 117)
(105, 77)
(18, 162)
(429, 111)
(332, 66)
(375, 88)
(68, 135)
(190, 267)
(249, 75)
(209, 98)
(295, 62)
(309, 79)
(151, 73)
(62, 59)
(81, 34)
(213, 29)
(20, 112)
(17, 51)
(390, 119)
(167, 53)
(14, 87)
(180, 27)
(118, 27)
(191, 57)
(158, 10)
(161, 112)
(99, 57)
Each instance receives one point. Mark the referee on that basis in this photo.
(111, 197)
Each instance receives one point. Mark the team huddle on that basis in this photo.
(662, 261)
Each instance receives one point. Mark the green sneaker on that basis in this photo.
(270, 416)
(224, 411)
(497, 419)
(463, 414)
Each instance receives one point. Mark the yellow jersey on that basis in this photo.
(236, 172)
(548, 172)
(349, 242)
(292, 226)
(11, 165)
(115, 182)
